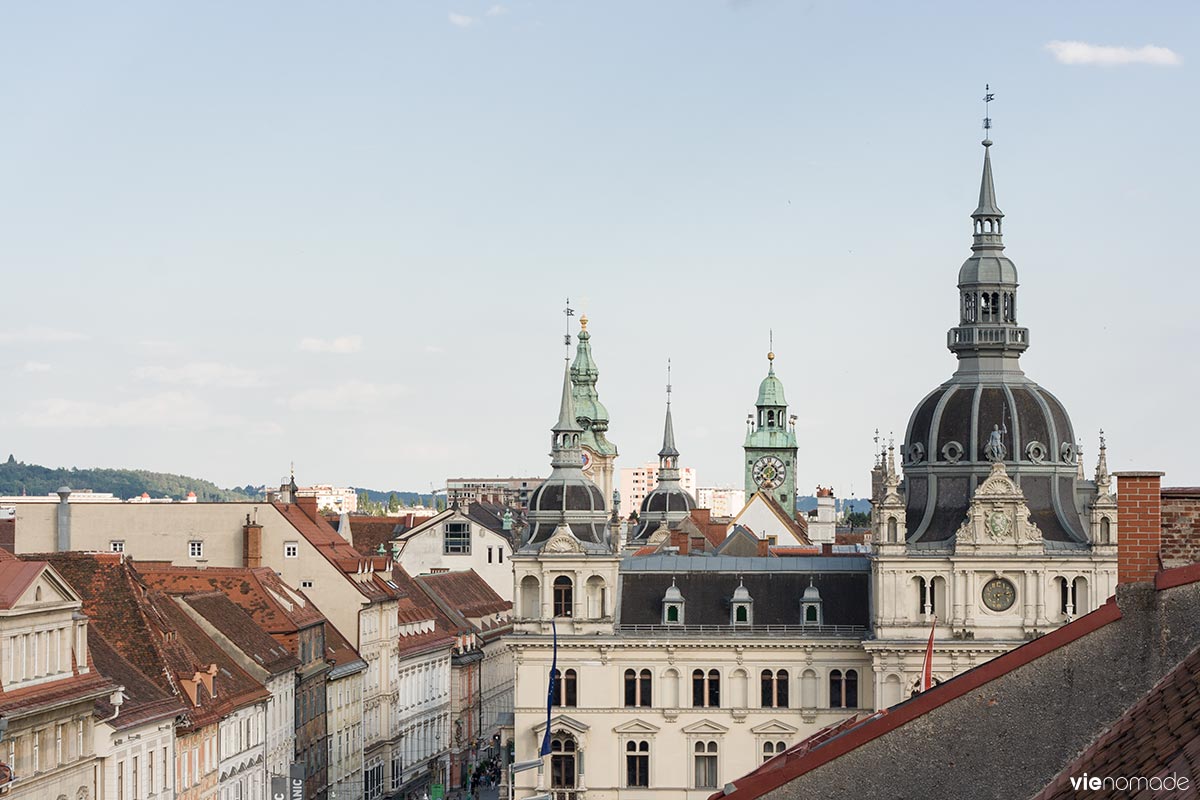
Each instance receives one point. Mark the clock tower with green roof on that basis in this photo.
(771, 444)
(598, 452)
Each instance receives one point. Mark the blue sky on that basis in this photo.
(238, 235)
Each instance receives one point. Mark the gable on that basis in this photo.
(774, 728)
(45, 589)
(705, 727)
(562, 722)
(636, 726)
(766, 519)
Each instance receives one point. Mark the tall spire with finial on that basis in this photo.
(987, 282)
(668, 456)
(1103, 479)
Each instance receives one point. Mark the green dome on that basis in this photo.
(770, 391)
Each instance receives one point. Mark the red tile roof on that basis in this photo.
(15, 577)
(465, 592)
(258, 591)
(338, 650)
(76, 688)
(340, 553)
(144, 701)
(241, 629)
(8, 535)
(415, 606)
(148, 630)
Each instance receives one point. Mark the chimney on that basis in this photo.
(1139, 512)
(64, 520)
(308, 504)
(251, 544)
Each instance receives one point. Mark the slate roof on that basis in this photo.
(243, 631)
(776, 585)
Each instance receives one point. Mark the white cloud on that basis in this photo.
(40, 336)
(497, 11)
(462, 20)
(1108, 55)
(340, 344)
(346, 395)
(206, 373)
(36, 366)
(165, 410)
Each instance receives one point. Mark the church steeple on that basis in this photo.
(668, 503)
(668, 456)
(598, 452)
(770, 447)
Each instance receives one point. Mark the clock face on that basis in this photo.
(769, 472)
(999, 594)
(587, 460)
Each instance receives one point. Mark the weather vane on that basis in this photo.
(668, 381)
(988, 97)
(569, 312)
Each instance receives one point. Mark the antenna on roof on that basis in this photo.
(988, 97)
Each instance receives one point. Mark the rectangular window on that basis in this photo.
(120, 780)
(291, 549)
(117, 545)
(133, 778)
(196, 549)
(489, 555)
(457, 538)
(501, 553)
(306, 584)
(706, 766)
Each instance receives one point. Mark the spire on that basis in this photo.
(566, 409)
(987, 187)
(668, 450)
(590, 413)
(1102, 476)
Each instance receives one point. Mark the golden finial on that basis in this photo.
(770, 356)
(771, 351)
(583, 322)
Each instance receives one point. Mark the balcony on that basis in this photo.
(1005, 337)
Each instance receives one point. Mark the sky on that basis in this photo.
(238, 236)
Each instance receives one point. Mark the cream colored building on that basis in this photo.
(461, 538)
(724, 501)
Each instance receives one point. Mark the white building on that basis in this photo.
(637, 482)
(724, 501)
(462, 538)
(336, 499)
(344, 718)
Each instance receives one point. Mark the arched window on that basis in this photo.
(672, 614)
(531, 597)
(843, 689)
(810, 614)
(892, 530)
(637, 688)
(772, 749)
(705, 773)
(670, 686)
(741, 614)
(1104, 531)
(564, 596)
(566, 688)
(770, 417)
(637, 764)
(562, 762)
(706, 689)
(774, 688)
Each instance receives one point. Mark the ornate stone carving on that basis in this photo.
(998, 518)
(562, 542)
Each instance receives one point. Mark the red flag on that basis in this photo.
(927, 667)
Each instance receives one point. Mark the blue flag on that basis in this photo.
(553, 688)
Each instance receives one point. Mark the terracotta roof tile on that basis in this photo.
(90, 685)
(243, 631)
(15, 577)
(466, 592)
(339, 552)
(144, 701)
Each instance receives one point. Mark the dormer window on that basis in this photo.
(741, 610)
(811, 606)
(672, 605)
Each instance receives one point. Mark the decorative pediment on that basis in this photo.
(636, 726)
(774, 728)
(562, 542)
(661, 534)
(45, 588)
(561, 722)
(705, 727)
(998, 518)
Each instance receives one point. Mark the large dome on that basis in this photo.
(946, 454)
(577, 501)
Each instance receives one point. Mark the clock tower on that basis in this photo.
(598, 452)
(771, 444)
